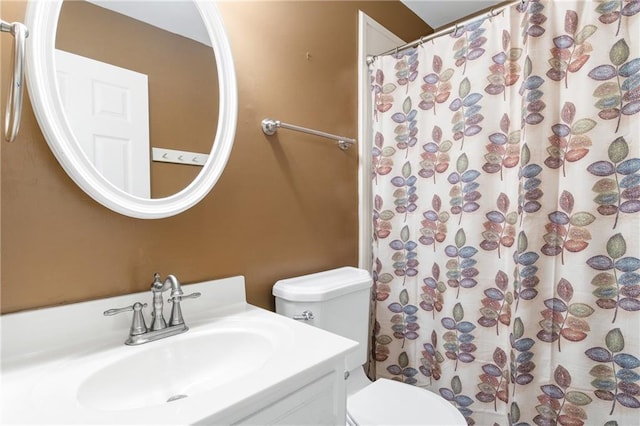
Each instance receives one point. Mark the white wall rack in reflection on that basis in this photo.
(179, 157)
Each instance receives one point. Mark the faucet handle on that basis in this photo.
(137, 324)
(111, 312)
(176, 311)
(179, 298)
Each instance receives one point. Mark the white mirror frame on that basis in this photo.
(42, 21)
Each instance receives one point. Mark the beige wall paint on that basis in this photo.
(284, 206)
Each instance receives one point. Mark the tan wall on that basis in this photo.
(281, 208)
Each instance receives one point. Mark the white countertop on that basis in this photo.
(48, 353)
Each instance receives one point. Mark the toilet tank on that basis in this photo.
(339, 301)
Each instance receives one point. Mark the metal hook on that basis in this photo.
(491, 14)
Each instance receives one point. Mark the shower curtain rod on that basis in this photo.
(447, 30)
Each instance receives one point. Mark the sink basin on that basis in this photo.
(209, 356)
(154, 376)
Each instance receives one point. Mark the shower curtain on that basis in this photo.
(506, 181)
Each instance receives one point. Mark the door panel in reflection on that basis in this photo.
(108, 108)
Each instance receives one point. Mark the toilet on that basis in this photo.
(338, 301)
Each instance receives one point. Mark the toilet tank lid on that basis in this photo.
(322, 285)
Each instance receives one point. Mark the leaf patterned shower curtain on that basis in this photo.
(506, 175)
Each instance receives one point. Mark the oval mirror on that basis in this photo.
(151, 138)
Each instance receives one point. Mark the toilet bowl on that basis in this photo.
(389, 402)
(338, 301)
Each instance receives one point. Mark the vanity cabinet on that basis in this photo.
(317, 399)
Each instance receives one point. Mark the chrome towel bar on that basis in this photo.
(16, 86)
(270, 126)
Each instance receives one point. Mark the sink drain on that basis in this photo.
(177, 397)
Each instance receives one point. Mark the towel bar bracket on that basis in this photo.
(270, 127)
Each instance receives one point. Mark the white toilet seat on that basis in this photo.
(388, 402)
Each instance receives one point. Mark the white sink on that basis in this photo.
(69, 364)
(187, 366)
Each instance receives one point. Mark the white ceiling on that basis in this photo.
(438, 13)
(179, 16)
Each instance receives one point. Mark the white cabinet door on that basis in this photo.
(108, 110)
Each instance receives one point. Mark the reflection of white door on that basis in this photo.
(108, 110)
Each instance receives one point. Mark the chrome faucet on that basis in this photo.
(139, 333)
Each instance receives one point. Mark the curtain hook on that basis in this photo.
(396, 54)
(421, 42)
